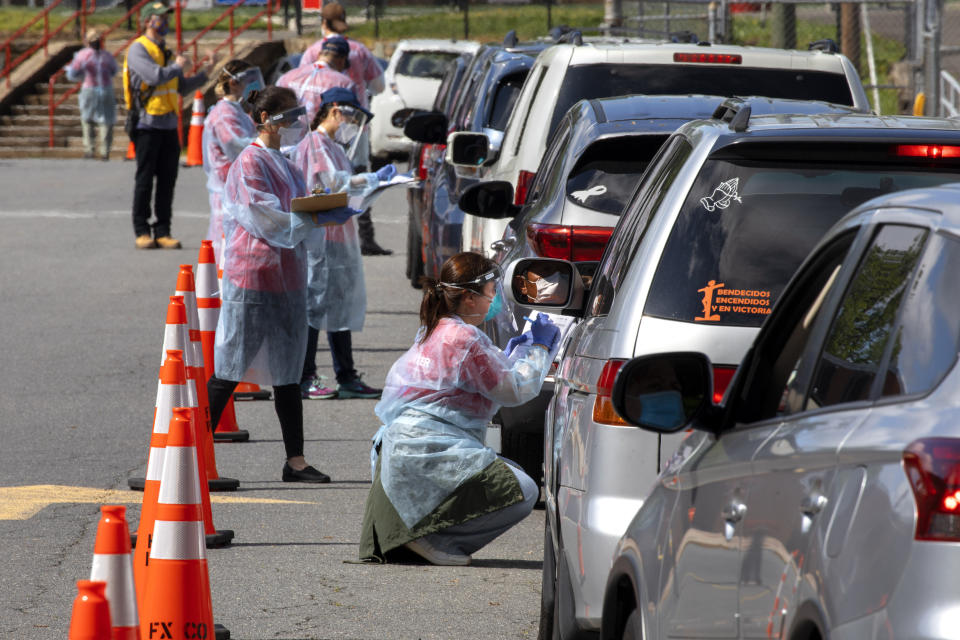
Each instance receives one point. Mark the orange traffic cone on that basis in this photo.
(195, 372)
(169, 395)
(90, 619)
(111, 564)
(177, 595)
(131, 151)
(250, 391)
(195, 136)
(208, 309)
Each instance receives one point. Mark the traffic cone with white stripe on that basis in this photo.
(195, 136)
(111, 564)
(90, 619)
(208, 309)
(177, 602)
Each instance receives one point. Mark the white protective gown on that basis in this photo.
(310, 82)
(337, 298)
(227, 130)
(262, 332)
(437, 401)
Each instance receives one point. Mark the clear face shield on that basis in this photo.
(351, 126)
(504, 321)
(292, 123)
(249, 79)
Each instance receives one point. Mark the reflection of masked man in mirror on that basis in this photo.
(658, 393)
(544, 286)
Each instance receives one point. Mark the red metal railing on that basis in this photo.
(86, 7)
(271, 7)
(135, 10)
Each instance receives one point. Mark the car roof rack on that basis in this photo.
(827, 45)
(511, 40)
(563, 34)
(734, 111)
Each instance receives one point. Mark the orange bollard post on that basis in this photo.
(195, 135)
(177, 595)
(208, 310)
(111, 564)
(90, 619)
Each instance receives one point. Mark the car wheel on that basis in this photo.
(526, 449)
(632, 630)
(548, 588)
(414, 257)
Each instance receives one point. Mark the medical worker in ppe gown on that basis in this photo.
(227, 130)
(262, 332)
(337, 301)
(437, 489)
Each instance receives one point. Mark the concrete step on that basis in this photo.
(13, 122)
(70, 129)
(68, 108)
(19, 142)
(118, 152)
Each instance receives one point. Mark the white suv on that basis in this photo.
(567, 73)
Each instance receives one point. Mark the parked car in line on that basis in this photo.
(585, 179)
(820, 499)
(567, 73)
(723, 217)
(488, 94)
(423, 160)
(411, 80)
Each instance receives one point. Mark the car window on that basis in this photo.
(770, 377)
(929, 333)
(605, 80)
(504, 100)
(424, 64)
(607, 172)
(747, 224)
(859, 334)
(551, 163)
(630, 229)
(533, 99)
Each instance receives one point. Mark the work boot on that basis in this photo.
(145, 242)
(371, 248)
(166, 242)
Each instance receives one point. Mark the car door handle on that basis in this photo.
(813, 503)
(503, 245)
(735, 511)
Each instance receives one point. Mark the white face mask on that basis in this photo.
(346, 132)
(292, 135)
(546, 286)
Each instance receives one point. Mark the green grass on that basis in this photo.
(748, 30)
(487, 23)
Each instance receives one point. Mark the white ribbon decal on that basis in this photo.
(582, 196)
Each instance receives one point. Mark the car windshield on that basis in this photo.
(424, 64)
(607, 80)
(607, 173)
(744, 230)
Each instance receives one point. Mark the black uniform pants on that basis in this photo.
(158, 158)
(286, 401)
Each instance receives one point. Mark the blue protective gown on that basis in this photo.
(437, 401)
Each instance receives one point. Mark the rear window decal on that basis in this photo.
(722, 196)
(717, 300)
(582, 196)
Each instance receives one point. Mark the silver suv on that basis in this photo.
(821, 499)
(723, 217)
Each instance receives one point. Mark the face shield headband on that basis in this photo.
(476, 285)
(250, 79)
(287, 118)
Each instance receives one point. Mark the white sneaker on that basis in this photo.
(431, 554)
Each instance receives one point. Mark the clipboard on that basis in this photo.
(317, 204)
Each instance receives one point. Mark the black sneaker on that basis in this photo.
(307, 474)
(357, 389)
(373, 249)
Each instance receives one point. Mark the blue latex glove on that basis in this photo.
(545, 332)
(516, 341)
(338, 215)
(386, 172)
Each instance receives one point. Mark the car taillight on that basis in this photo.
(721, 380)
(422, 165)
(603, 411)
(567, 242)
(926, 151)
(523, 187)
(933, 468)
(708, 58)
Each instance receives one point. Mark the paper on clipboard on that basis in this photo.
(402, 179)
(564, 323)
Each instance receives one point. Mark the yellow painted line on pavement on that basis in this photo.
(21, 503)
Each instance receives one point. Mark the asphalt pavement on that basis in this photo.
(82, 316)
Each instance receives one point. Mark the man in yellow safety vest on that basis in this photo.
(152, 84)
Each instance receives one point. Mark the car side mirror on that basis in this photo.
(492, 199)
(468, 149)
(399, 118)
(663, 392)
(545, 284)
(429, 127)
